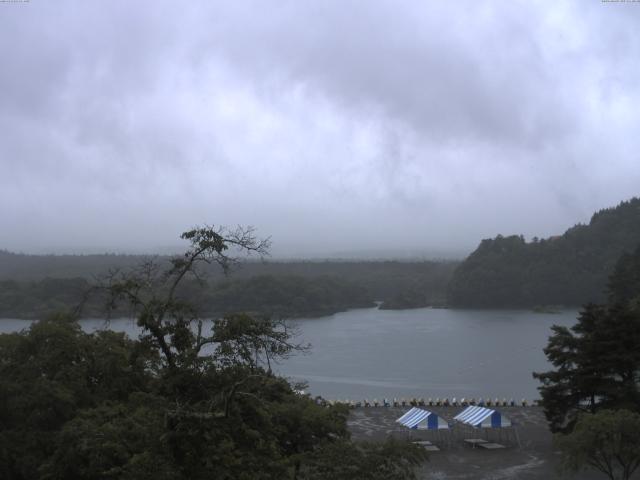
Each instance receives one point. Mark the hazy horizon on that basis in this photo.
(337, 128)
(274, 254)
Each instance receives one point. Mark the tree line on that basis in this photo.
(504, 272)
(279, 289)
(568, 270)
(185, 401)
(181, 401)
(280, 297)
(591, 397)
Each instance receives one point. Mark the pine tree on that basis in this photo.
(597, 361)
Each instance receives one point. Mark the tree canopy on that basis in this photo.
(571, 269)
(188, 399)
(608, 441)
(597, 361)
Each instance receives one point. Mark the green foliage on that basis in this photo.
(596, 365)
(391, 460)
(180, 402)
(278, 289)
(242, 340)
(279, 296)
(114, 440)
(571, 269)
(78, 405)
(49, 374)
(597, 361)
(285, 296)
(37, 299)
(608, 441)
(624, 284)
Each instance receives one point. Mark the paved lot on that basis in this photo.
(530, 458)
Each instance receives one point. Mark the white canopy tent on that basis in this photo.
(419, 419)
(481, 417)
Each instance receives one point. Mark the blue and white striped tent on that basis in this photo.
(481, 417)
(419, 419)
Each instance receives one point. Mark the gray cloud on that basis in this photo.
(331, 126)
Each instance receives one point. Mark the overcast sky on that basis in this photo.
(335, 127)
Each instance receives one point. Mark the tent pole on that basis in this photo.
(515, 433)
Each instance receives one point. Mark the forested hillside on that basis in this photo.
(569, 270)
(84, 406)
(32, 286)
(22, 267)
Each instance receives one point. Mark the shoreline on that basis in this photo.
(532, 457)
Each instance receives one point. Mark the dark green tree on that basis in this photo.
(222, 396)
(390, 460)
(624, 284)
(189, 399)
(569, 269)
(51, 373)
(608, 441)
(597, 361)
(153, 293)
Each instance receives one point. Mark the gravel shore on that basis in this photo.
(529, 452)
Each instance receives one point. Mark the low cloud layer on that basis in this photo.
(334, 127)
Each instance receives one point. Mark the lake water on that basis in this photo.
(371, 353)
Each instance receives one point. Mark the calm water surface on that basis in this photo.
(370, 353)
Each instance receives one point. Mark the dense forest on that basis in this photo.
(101, 405)
(280, 297)
(590, 394)
(568, 270)
(596, 362)
(32, 286)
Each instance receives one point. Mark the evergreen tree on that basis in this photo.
(597, 361)
(183, 401)
(571, 269)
